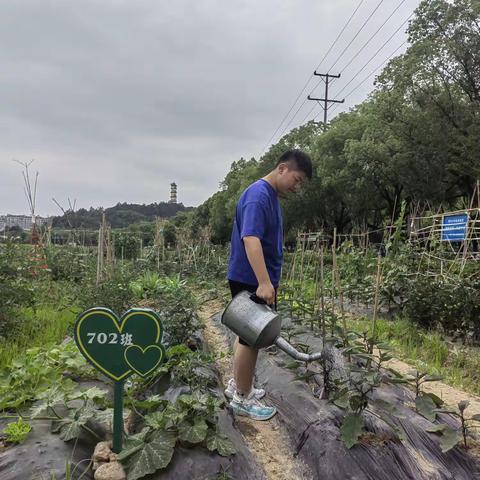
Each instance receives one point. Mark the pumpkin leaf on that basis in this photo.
(193, 433)
(153, 454)
(220, 443)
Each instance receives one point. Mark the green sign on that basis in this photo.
(118, 347)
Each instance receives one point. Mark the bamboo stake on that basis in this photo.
(340, 292)
(334, 266)
(322, 295)
(377, 290)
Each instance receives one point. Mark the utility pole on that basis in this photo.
(325, 77)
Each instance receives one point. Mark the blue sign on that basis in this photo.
(454, 227)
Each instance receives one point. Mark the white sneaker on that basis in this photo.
(258, 393)
(251, 407)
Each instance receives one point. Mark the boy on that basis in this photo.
(255, 265)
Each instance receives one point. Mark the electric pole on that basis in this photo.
(325, 77)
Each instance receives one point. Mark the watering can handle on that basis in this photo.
(256, 299)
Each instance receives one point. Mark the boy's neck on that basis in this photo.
(271, 179)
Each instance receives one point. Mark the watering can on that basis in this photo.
(259, 326)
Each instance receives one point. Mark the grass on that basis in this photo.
(428, 351)
(43, 327)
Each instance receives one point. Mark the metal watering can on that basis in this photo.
(256, 323)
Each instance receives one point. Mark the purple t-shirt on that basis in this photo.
(258, 214)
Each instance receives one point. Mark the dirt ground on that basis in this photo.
(450, 395)
(264, 439)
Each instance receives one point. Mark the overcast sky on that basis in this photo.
(116, 99)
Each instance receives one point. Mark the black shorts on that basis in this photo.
(237, 287)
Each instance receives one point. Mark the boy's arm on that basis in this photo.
(253, 248)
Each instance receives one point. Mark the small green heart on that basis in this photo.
(144, 360)
(103, 338)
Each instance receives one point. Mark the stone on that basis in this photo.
(110, 471)
(102, 452)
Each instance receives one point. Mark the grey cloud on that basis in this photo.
(114, 99)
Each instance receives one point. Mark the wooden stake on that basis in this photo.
(334, 267)
(322, 295)
(377, 290)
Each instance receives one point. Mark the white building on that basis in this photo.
(22, 221)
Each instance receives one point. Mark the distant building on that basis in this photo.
(22, 221)
(173, 193)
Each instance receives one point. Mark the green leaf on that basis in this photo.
(342, 401)
(389, 408)
(476, 417)
(193, 433)
(151, 402)
(436, 428)
(133, 444)
(433, 378)
(367, 356)
(222, 444)
(71, 427)
(385, 357)
(293, 365)
(106, 416)
(351, 429)
(436, 400)
(68, 428)
(154, 454)
(426, 407)
(37, 410)
(449, 439)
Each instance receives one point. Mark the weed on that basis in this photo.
(17, 432)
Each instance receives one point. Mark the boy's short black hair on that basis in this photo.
(301, 159)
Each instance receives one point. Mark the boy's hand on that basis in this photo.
(266, 292)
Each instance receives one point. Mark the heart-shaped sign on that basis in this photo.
(104, 339)
(144, 360)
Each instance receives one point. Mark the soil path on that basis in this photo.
(450, 395)
(264, 439)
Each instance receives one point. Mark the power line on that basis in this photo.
(375, 54)
(296, 113)
(372, 72)
(311, 76)
(372, 37)
(367, 77)
(338, 58)
(338, 36)
(309, 112)
(357, 34)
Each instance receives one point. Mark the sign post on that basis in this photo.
(118, 348)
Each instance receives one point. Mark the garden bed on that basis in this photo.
(313, 428)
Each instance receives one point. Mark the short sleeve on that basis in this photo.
(254, 220)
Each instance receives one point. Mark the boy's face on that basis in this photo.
(289, 180)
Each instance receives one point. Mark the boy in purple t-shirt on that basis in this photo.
(255, 265)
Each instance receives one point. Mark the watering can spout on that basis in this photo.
(282, 344)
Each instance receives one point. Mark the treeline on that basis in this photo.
(415, 139)
(120, 216)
